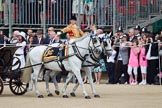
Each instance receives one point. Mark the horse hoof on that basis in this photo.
(73, 94)
(40, 96)
(87, 97)
(57, 92)
(97, 96)
(50, 95)
(65, 96)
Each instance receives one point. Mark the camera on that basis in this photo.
(149, 40)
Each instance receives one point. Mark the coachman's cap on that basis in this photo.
(137, 28)
(73, 18)
(120, 29)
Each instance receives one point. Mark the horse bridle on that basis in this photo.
(105, 45)
(90, 49)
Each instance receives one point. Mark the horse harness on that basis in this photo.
(78, 54)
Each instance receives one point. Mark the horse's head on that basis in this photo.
(106, 44)
(95, 48)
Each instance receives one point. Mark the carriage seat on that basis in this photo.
(55, 53)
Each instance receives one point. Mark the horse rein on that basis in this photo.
(90, 49)
(105, 45)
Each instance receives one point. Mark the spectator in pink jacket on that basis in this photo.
(133, 62)
(143, 62)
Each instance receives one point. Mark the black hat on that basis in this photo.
(137, 28)
(144, 30)
(73, 18)
(39, 32)
(120, 29)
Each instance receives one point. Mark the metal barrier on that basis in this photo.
(44, 13)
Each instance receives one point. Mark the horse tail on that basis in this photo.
(27, 71)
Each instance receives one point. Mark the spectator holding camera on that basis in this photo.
(111, 67)
(152, 57)
(122, 59)
(132, 36)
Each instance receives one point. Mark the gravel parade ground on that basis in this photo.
(112, 96)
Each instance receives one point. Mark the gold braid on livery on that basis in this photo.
(73, 30)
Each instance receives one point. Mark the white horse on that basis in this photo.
(106, 45)
(90, 60)
(79, 49)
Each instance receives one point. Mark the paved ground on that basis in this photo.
(112, 96)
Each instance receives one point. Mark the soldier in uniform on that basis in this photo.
(73, 30)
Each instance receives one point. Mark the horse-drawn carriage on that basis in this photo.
(8, 76)
(77, 55)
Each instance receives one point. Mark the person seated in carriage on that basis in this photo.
(19, 54)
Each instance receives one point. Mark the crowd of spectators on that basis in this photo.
(134, 58)
(135, 54)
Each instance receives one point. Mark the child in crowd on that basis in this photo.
(143, 62)
(133, 62)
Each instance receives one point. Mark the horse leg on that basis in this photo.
(89, 75)
(69, 77)
(53, 76)
(74, 89)
(46, 78)
(78, 75)
(30, 87)
(36, 69)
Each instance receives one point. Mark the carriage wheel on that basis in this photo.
(17, 87)
(1, 86)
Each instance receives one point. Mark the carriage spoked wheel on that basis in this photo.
(17, 87)
(1, 86)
